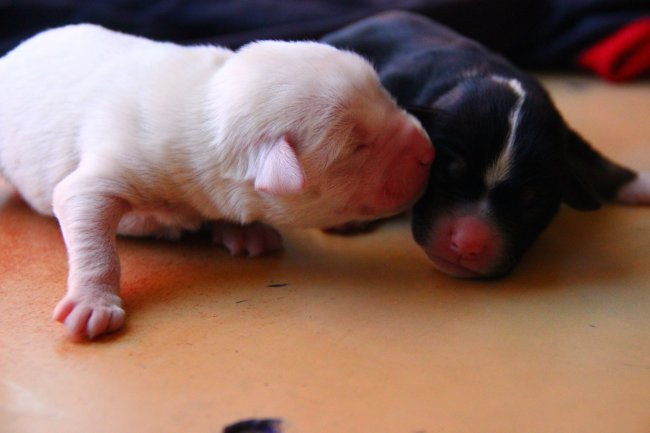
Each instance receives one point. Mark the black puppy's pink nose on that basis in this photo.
(470, 238)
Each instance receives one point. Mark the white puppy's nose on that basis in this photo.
(417, 146)
(426, 155)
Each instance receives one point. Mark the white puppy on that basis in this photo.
(118, 134)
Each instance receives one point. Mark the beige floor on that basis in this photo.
(359, 334)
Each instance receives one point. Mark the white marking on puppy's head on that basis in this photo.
(500, 169)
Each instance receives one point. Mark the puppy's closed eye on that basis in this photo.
(361, 148)
(457, 169)
(451, 168)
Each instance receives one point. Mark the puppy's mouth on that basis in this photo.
(453, 269)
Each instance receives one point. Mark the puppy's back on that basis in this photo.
(53, 83)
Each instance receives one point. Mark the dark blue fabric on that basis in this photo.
(531, 32)
(571, 26)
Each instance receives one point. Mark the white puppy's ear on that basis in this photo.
(280, 171)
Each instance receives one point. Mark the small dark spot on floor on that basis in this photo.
(254, 426)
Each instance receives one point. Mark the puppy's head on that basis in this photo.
(500, 176)
(329, 144)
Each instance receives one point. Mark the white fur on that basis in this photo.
(500, 169)
(111, 132)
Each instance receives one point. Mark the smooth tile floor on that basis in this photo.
(349, 334)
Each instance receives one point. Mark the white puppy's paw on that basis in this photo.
(90, 315)
(252, 239)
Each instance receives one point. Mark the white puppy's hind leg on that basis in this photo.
(88, 220)
(252, 239)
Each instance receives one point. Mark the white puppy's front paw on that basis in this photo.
(90, 315)
(252, 239)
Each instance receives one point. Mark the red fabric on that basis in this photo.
(624, 55)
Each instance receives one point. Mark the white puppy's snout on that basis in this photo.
(416, 145)
(425, 156)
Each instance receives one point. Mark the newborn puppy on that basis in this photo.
(505, 157)
(113, 133)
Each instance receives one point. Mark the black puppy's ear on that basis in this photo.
(598, 176)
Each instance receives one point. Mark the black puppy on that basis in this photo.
(505, 157)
